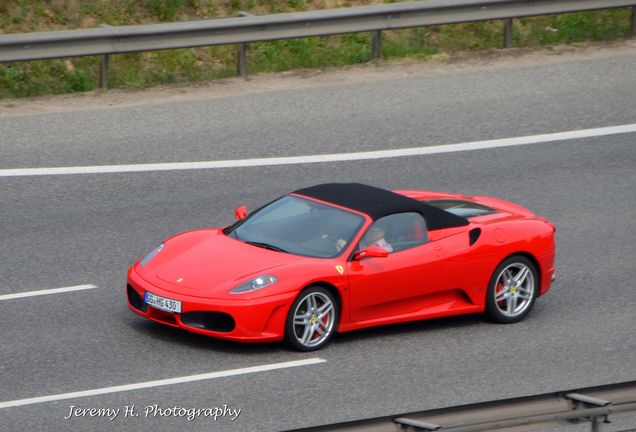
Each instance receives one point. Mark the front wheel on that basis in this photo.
(312, 319)
(512, 290)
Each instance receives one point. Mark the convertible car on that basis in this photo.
(340, 257)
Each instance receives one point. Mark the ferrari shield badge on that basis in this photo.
(340, 269)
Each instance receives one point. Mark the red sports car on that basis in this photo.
(340, 257)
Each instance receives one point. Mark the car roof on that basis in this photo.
(377, 203)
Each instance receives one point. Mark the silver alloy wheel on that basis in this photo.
(313, 319)
(514, 289)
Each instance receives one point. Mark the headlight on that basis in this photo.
(258, 282)
(152, 254)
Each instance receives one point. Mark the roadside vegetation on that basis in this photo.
(142, 70)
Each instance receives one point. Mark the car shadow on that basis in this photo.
(172, 335)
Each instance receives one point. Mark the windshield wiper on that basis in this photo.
(267, 246)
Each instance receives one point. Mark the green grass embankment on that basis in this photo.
(142, 70)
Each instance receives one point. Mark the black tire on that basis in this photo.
(295, 332)
(497, 288)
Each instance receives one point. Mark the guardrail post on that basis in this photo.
(597, 424)
(508, 33)
(376, 44)
(241, 64)
(103, 72)
(103, 66)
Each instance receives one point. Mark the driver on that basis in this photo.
(375, 237)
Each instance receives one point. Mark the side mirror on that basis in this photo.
(240, 213)
(371, 252)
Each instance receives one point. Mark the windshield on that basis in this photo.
(299, 226)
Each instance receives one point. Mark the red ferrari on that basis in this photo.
(340, 257)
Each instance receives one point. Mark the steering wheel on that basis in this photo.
(339, 244)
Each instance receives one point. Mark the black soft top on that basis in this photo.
(378, 203)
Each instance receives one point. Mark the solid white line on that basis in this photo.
(163, 382)
(46, 291)
(321, 158)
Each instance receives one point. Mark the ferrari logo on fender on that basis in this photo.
(340, 269)
(180, 280)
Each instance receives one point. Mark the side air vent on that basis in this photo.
(473, 235)
(214, 321)
(135, 299)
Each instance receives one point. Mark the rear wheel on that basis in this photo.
(512, 290)
(312, 319)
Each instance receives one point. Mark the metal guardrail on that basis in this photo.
(595, 405)
(247, 28)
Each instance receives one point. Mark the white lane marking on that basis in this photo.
(321, 158)
(46, 291)
(163, 382)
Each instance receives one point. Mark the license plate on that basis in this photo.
(162, 303)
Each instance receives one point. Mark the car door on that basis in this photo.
(398, 284)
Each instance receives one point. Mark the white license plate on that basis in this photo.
(162, 302)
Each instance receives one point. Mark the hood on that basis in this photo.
(214, 265)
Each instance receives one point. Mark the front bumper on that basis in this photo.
(256, 320)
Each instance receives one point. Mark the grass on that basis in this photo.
(143, 70)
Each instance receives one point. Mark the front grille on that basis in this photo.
(163, 317)
(135, 299)
(213, 321)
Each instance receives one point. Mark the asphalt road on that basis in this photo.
(59, 231)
